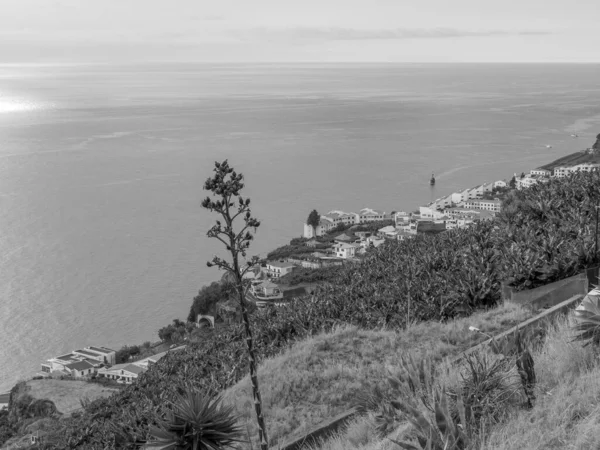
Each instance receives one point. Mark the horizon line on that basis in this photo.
(187, 61)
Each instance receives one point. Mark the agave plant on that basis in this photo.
(195, 422)
(587, 317)
(440, 433)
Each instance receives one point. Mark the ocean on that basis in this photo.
(102, 236)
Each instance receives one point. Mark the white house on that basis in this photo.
(276, 269)
(476, 192)
(122, 373)
(500, 184)
(401, 217)
(387, 231)
(375, 240)
(489, 205)
(109, 356)
(367, 215)
(345, 251)
(456, 198)
(540, 172)
(4, 400)
(427, 212)
(585, 167)
(82, 369)
(341, 217)
(529, 180)
(325, 224)
(487, 187)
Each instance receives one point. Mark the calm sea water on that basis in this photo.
(102, 237)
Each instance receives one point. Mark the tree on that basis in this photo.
(208, 297)
(513, 182)
(226, 185)
(313, 220)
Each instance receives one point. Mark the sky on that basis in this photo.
(83, 31)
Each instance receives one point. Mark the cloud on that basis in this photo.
(351, 34)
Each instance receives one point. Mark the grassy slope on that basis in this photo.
(566, 415)
(320, 377)
(66, 394)
(572, 160)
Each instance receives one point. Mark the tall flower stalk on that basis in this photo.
(226, 185)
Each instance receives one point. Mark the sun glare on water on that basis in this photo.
(16, 105)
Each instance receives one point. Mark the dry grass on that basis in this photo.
(67, 394)
(319, 378)
(566, 415)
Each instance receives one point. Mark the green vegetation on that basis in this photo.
(197, 423)
(565, 413)
(208, 297)
(305, 275)
(544, 234)
(320, 377)
(176, 332)
(288, 251)
(574, 159)
(313, 219)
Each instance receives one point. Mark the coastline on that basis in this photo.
(160, 342)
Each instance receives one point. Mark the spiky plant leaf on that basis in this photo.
(198, 423)
(587, 317)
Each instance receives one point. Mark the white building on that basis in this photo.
(487, 187)
(540, 172)
(345, 251)
(325, 224)
(276, 269)
(401, 217)
(427, 212)
(341, 217)
(4, 400)
(367, 215)
(561, 171)
(388, 231)
(66, 364)
(122, 373)
(500, 184)
(488, 205)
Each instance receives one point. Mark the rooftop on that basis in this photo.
(280, 264)
(133, 369)
(371, 212)
(345, 246)
(67, 357)
(80, 365)
(84, 352)
(4, 398)
(101, 350)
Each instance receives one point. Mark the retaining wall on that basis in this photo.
(550, 294)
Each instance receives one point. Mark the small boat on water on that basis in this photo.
(432, 181)
(574, 135)
(548, 146)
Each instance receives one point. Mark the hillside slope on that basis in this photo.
(581, 157)
(544, 234)
(323, 376)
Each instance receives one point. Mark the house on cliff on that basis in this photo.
(4, 400)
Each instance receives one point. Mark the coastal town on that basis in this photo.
(336, 239)
(341, 237)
